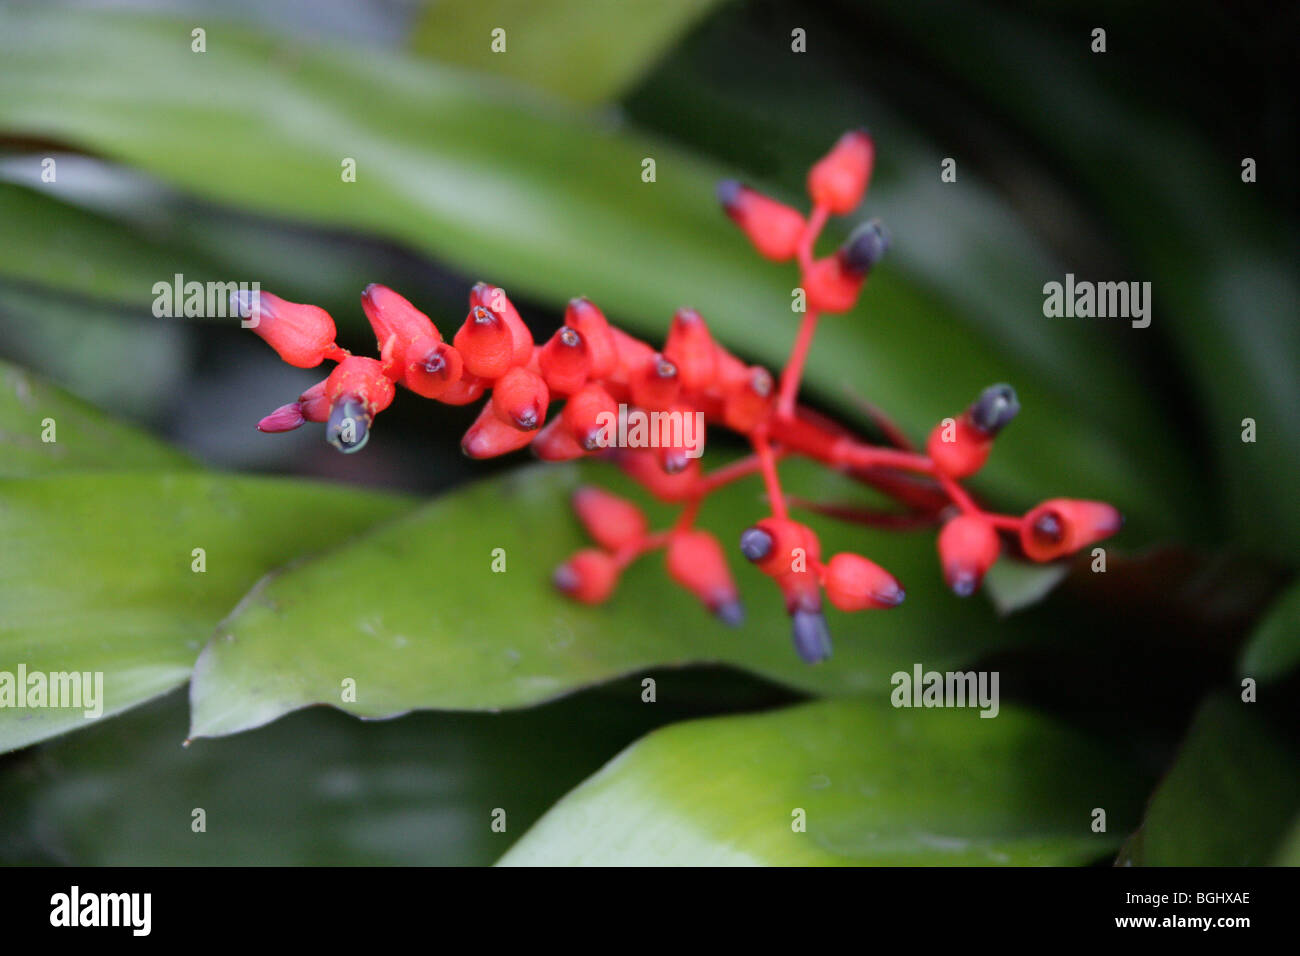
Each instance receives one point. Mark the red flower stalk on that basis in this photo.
(615, 388)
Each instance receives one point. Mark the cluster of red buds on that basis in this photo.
(601, 373)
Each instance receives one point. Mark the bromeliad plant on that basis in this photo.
(605, 375)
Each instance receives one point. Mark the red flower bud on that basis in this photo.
(1062, 526)
(611, 521)
(839, 179)
(589, 576)
(655, 384)
(780, 547)
(315, 404)
(556, 443)
(493, 298)
(362, 379)
(831, 286)
(630, 356)
(357, 390)
(643, 465)
(396, 323)
(680, 449)
(465, 391)
(588, 321)
(696, 562)
(774, 228)
(565, 361)
(855, 584)
(485, 343)
(748, 402)
(957, 447)
(521, 398)
(592, 418)
(284, 419)
(489, 436)
(431, 367)
(302, 335)
(968, 547)
(730, 372)
(691, 348)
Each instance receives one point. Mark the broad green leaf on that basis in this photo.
(81, 437)
(321, 788)
(872, 785)
(78, 251)
(74, 241)
(1229, 798)
(108, 357)
(416, 616)
(552, 203)
(586, 52)
(97, 574)
(1274, 648)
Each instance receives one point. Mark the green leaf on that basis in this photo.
(876, 785)
(84, 439)
(1229, 798)
(321, 788)
(105, 356)
(1274, 648)
(72, 245)
(75, 250)
(586, 52)
(414, 613)
(552, 200)
(97, 573)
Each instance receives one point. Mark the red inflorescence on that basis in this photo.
(607, 378)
